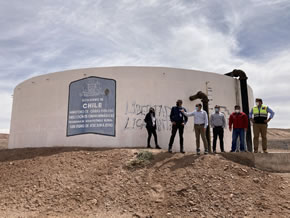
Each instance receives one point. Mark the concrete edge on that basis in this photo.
(271, 162)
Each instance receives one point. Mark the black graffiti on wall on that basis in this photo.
(135, 114)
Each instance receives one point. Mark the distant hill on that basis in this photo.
(279, 139)
(274, 133)
(4, 140)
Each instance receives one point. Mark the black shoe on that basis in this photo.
(148, 146)
(214, 152)
(183, 152)
(205, 152)
(157, 147)
(170, 151)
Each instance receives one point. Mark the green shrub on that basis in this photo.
(145, 156)
(142, 159)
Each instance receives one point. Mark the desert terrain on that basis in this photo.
(87, 182)
(3, 141)
(279, 139)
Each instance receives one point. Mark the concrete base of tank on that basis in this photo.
(272, 162)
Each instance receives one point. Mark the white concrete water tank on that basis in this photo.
(105, 107)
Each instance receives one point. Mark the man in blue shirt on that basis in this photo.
(178, 121)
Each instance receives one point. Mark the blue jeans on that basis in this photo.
(238, 133)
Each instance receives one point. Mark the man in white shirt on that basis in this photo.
(200, 125)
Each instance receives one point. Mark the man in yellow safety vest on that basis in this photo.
(259, 117)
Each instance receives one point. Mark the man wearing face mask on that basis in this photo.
(178, 121)
(200, 125)
(239, 121)
(259, 117)
(218, 123)
(150, 121)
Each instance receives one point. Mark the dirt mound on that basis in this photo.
(98, 183)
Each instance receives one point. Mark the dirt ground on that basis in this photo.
(80, 182)
(73, 182)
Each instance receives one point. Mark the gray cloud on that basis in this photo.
(39, 37)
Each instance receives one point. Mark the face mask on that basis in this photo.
(196, 108)
(257, 103)
(237, 111)
(217, 110)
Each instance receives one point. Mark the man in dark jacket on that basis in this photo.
(178, 121)
(150, 121)
(239, 121)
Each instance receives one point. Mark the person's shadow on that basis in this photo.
(178, 162)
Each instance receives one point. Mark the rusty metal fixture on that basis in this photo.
(199, 95)
(238, 73)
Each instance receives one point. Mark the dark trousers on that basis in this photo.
(218, 132)
(239, 132)
(151, 130)
(180, 127)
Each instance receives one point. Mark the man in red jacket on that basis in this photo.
(239, 122)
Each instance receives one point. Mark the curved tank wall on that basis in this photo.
(40, 106)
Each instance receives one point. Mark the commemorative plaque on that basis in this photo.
(92, 106)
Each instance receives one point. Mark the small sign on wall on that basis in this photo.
(92, 106)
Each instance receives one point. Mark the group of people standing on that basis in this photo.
(238, 124)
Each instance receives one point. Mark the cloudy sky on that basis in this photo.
(39, 37)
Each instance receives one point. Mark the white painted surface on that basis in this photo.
(40, 106)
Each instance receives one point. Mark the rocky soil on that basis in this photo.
(73, 182)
